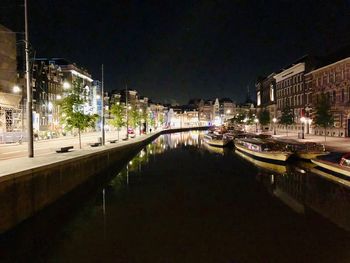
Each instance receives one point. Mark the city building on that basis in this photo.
(291, 91)
(52, 77)
(206, 112)
(47, 82)
(11, 94)
(96, 98)
(227, 109)
(266, 96)
(333, 80)
(183, 116)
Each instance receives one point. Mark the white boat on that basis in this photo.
(341, 167)
(262, 149)
(304, 150)
(278, 168)
(216, 140)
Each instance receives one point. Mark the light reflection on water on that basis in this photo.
(293, 183)
(180, 200)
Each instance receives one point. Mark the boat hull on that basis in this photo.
(310, 155)
(333, 167)
(278, 168)
(216, 142)
(276, 156)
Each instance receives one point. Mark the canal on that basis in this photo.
(179, 200)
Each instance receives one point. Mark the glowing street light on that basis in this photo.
(16, 89)
(256, 120)
(66, 85)
(274, 125)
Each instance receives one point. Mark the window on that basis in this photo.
(258, 95)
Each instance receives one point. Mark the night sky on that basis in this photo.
(172, 51)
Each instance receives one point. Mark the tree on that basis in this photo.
(287, 117)
(323, 116)
(72, 110)
(118, 112)
(151, 120)
(134, 117)
(161, 119)
(144, 118)
(264, 117)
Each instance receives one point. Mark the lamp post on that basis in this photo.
(29, 88)
(245, 121)
(309, 121)
(302, 120)
(140, 110)
(274, 125)
(256, 120)
(103, 108)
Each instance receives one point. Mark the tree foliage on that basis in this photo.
(151, 120)
(135, 117)
(72, 110)
(264, 117)
(323, 116)
(287, 117)
(118, 116)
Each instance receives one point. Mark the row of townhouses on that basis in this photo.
(50, 78)
(300, 85)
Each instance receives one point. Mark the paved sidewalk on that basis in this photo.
(18, 165)
(333, 144)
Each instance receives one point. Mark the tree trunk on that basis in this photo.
(118, 132)
(79, 138)
(287, 130)
(325, 136)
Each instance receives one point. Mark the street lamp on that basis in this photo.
(66, 85)
(16, 89)
(274, 125)
(245, 121)
(256, 120)
(302, 120)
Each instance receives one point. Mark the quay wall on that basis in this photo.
(24, 193)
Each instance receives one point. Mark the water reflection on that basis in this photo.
(300, 187)
(296, 185)
(178, 200)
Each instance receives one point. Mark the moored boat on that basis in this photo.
(278, 168)
(341, 167)
(216, 140)
(262, 149)
(304, 150)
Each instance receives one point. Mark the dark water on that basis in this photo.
(181, 201)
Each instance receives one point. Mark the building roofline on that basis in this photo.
(329, 65)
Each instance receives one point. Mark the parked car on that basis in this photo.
(131, 133)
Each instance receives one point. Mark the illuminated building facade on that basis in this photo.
(11, 109)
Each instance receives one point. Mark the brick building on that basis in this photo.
(266, 95)
(333, 80)
(291, 90)
(11, 103)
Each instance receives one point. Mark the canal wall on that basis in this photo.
(45, 180)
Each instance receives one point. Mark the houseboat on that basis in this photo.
(303, 150)
(217, 140)
(341, 167)
(263, 149)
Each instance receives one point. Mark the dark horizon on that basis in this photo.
(175, 51)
